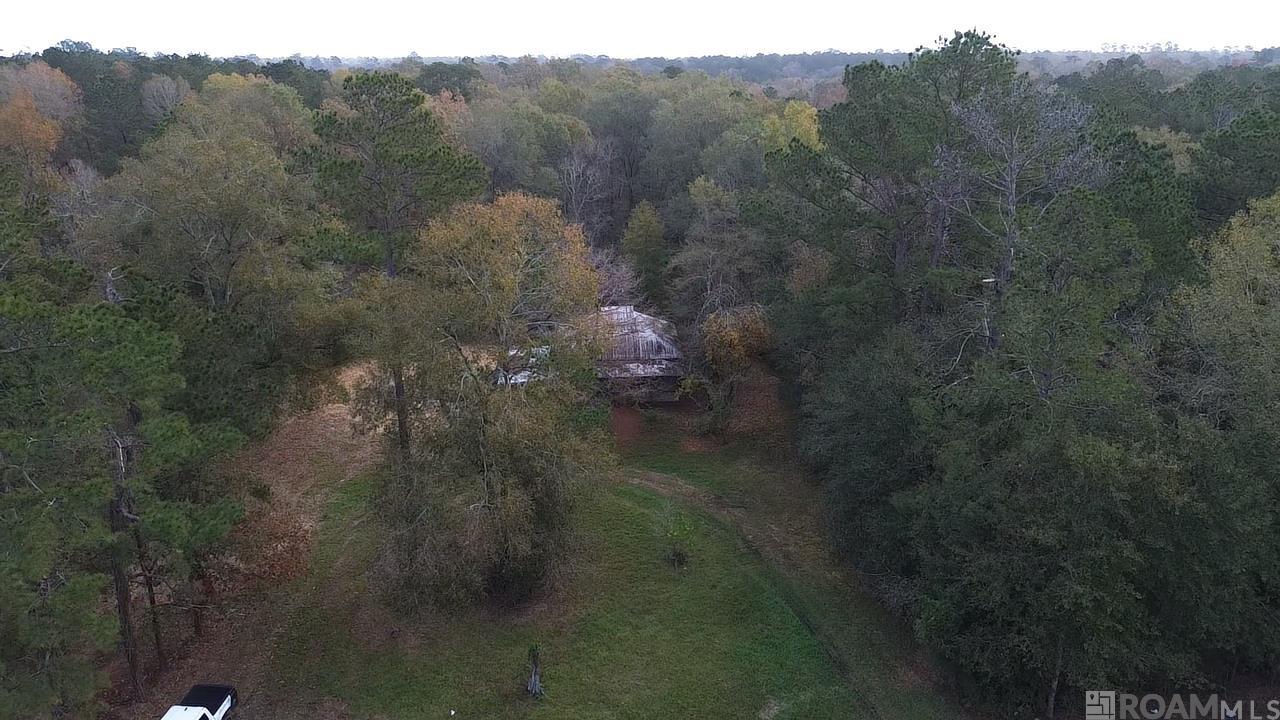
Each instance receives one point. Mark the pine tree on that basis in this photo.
(385, 163)
(645, 245)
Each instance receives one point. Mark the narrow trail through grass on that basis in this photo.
(624, 636)
(762, 623)
(778, 515)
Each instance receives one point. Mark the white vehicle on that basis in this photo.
(204, 702)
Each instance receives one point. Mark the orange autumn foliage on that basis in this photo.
(23, 130)
(27, 137)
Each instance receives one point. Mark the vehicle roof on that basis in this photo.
(209, 697)
(183, 712)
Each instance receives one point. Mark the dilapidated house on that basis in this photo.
(643, 363)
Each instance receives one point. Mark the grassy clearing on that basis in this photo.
(879, 657)
(727, 472)
(626, 637)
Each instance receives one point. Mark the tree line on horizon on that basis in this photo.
(1026, 320)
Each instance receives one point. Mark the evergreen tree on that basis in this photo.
(644, 244)
(385, 163)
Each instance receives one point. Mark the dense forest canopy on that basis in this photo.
(1025, 307)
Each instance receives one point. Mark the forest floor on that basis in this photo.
(761, 623)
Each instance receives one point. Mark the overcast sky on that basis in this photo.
(620, 28)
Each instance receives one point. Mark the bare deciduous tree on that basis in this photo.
(56, 96)
(1023, 149)
(1223, 116)
(619, 284)
(588, 186)
(161, 95)
(75, 203)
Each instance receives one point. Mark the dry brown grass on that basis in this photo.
(300, 463)
(759, 413)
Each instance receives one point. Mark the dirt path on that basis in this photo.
(788, 537)
(786, 531)
(312, 453)
(296, 467)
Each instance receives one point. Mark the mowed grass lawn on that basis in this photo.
(625, 636)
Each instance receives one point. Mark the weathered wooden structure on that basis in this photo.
(643, 362)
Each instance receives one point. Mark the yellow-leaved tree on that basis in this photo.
(491, 320)
(798, 121)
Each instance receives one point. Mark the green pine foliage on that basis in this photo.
(1028, 325)
(645, 245)
(384, 162)
(1022, 404)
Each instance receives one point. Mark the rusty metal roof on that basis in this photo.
(642, 345)
(639, 337)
